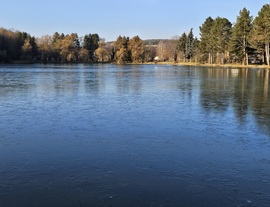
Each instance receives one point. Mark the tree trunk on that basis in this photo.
(246, 58)
(244, 61)
(245, 51)
(222, 58)
(267, 52)
(218, 59)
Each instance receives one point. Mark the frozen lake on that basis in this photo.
(134, 135)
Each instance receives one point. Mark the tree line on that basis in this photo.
(246, 41)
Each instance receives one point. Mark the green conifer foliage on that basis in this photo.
(240, 43)
(205, 47)
(220, 34)
(260, 35)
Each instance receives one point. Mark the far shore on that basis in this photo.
(212, 65)
(157, 63)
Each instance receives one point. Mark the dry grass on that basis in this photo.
(212, 65)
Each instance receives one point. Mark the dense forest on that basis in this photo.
(245, 41)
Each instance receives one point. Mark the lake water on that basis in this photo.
(135, 135)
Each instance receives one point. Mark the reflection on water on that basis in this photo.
(136, 135)
(244, 90)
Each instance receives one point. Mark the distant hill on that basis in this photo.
(149, 41)
(154, 41)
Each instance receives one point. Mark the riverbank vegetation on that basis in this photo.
(244, 42)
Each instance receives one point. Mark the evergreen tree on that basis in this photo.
(29, 49)
(186, 45)
(181, 47)
(56, 37)
(189, 51)
(239, 43)
(219, 38)
(205, 45)
(10, 46)
(196, 50)
(34, 51)
(91, 43)
(260, 35)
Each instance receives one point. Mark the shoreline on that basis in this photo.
(239, 66)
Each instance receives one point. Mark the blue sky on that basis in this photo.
(146, 18)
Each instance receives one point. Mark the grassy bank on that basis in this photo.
(212, 65)
(148, 63)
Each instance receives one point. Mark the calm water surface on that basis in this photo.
(142, 136)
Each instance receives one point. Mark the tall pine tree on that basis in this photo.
(181, 46)
(239, 43)
(205, 46)
(220, 36)
(90, 43)
(185, 45)
(190, 45)
(261, 32)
